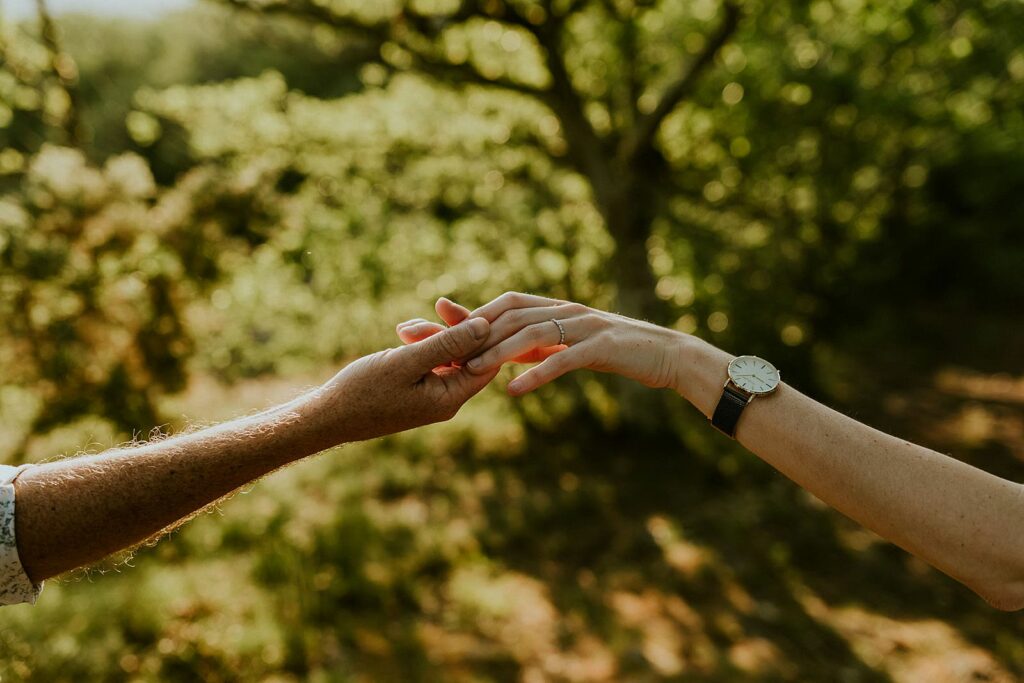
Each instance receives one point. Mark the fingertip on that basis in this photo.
(420, 331)
(407, 337)
(517, 387)
(451, 312)
(476, 366)
(412, 322)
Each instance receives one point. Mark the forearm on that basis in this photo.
(73, 512)
(966, 522)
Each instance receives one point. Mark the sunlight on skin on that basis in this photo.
(418, 329)
(954, 516)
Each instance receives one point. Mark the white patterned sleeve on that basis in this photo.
(15, 586)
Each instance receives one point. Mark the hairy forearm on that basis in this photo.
(966, 522)
(74, 512)
(71, 513)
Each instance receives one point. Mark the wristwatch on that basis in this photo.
(749, 377)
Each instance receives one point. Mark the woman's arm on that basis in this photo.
(965, 522)
(962, 520)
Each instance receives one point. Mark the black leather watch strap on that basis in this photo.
(729, 409)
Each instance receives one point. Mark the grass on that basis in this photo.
(483, 550)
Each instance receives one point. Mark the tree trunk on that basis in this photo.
(634, 281)
(630, 206)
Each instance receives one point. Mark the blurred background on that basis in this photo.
(206, 208)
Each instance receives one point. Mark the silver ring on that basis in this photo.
(561, 331)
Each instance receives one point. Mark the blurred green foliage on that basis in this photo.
(253, 191)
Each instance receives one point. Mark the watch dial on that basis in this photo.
(753, 374)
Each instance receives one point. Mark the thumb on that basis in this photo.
(464, 385)
(451, 312)
(454, 344)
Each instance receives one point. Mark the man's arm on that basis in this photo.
(73, 512)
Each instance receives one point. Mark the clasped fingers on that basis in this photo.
(535, 334)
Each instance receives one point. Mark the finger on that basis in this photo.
(419, 332)
(528, 339)
(510, 300)
(451, 312)
(410, 323)
(537, 355)
(452, 344)
(516, 319)
(460, 385)
(552, 368)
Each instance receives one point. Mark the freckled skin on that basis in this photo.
(962, 520)
(70, 513)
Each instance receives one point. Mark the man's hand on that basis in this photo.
(73, 512)
(418, 329)
(399, 389)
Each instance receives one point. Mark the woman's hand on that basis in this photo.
(418, 329)
(593, 339)
(522, 331)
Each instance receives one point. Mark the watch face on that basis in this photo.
(754, 375)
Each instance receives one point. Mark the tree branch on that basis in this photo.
(646, 128)
(467, 73)
(586, 148)
(429, 26)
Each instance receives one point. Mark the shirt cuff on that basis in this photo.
(15, 586)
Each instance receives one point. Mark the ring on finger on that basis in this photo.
(561, 332)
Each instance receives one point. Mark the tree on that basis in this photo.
(777, 152)
(97, 263)
(609, 122)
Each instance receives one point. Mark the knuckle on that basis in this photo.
(587, 354)
(535, 332)
(576, 309)
(449, 344)
(512, 317)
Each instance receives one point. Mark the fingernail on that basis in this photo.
(475, 364)
(478, 326)
(515, 385)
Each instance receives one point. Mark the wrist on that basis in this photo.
(701, 372)
(323, 416)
